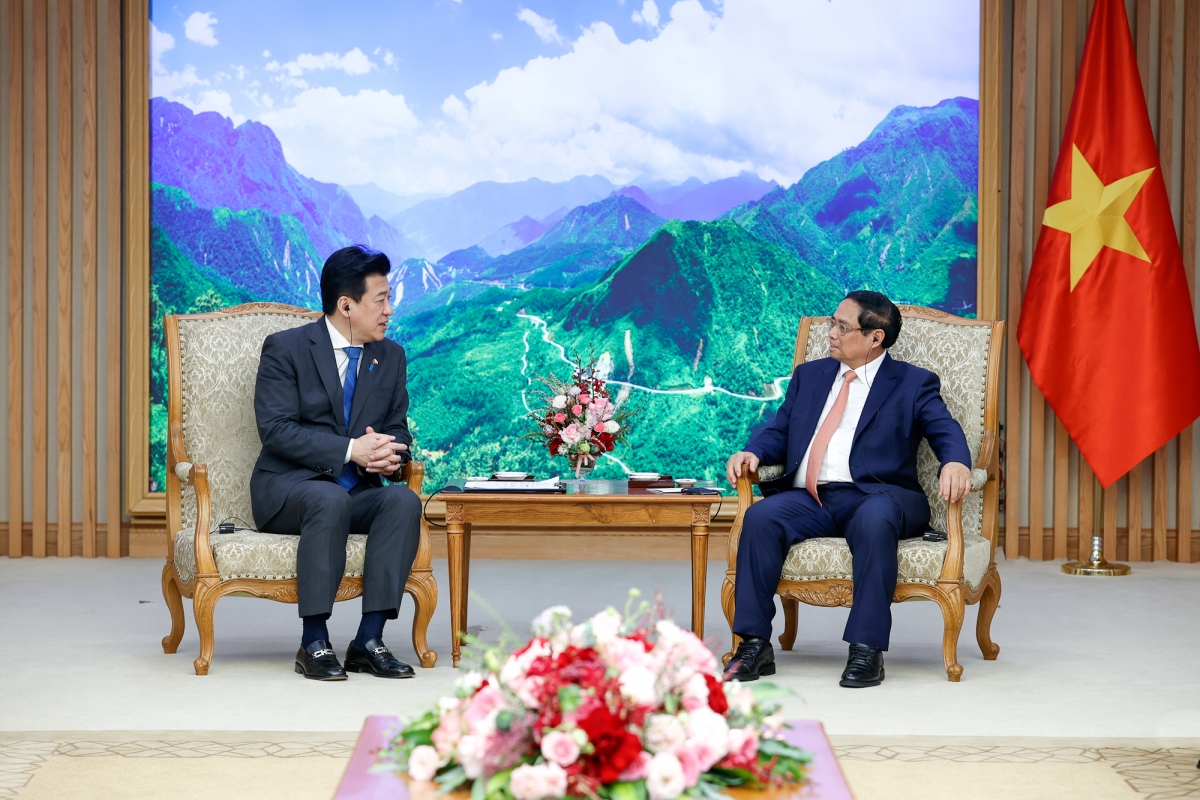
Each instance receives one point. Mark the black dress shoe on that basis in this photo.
(754, 657)
(864, 667)
(318, 662)
(376, 659)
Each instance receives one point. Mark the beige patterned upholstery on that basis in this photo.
(249, 554)
(958, 355)
(219, 364)
(920, 561)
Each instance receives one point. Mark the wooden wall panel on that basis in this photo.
(14, 47)
(57, 260)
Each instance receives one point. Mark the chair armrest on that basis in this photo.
(952, 567)
(413, 474)
(206, 565)
(183, 471)
(989, 458)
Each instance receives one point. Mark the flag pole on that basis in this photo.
(1096, 565)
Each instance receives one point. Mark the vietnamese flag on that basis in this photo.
(1107, 324)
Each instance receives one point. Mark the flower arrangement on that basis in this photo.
(609, 709)
(577, 418)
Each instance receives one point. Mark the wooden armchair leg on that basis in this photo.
(791, 615)
(989, 601)
(204, 603)
(951, 602)
(170, 588)
(728, 606)
(423, 589)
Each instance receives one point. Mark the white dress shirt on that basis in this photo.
(835, 468)
(340, 343)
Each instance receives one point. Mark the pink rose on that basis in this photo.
(585, 398)
(638, 770)
(445, 736)
(481, 704)
(577, 409)
(560, 747)
(423, 763)
(690, 761)
(598, 427)
(537, 782)
(560, 418)
(743, 746)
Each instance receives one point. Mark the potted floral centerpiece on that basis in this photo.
(577, 418)
(612, 708)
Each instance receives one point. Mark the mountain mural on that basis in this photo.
(689, 293)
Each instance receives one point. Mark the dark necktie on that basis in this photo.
(349, 477)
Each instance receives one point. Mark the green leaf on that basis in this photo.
(670, 704)
(479, 789)
(780, 748)
(766, 691)
(628, 790)
(451, 779)
(570, 697)
(497, 785)
(504, 720)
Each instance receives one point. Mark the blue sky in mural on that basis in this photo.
(430, 96)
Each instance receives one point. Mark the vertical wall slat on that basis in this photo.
(113, 288)
(15, 47)
(1191, 131)
(1166, 151)
(1062, 482)
(1016, 248)
(1141, 38)
(64, 232)
(1062, 442)
(1086, 511)
(90, 244)
(41, 268)
(1041, 182)
(1133, 514)
(1110, 522)
(991, 98)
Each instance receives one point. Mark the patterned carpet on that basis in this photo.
(54, 767)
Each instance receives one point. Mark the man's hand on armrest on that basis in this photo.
(737, 462)
(378, 452)
(955, 482)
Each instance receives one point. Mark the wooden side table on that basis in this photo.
(586, 503)
(362, 781)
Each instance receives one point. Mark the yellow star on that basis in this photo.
(1094, 215)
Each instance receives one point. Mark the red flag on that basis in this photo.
(1107, 324)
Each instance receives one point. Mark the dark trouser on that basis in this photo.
(324, 515)
(872, 524)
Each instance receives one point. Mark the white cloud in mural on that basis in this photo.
(545, 28)
(199, 28)
(183, 86)
(769, 86)
(648, 15)
(355, 62)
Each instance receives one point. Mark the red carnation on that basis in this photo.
(716, 695)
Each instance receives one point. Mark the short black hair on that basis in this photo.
(877, 313)
(345, 274)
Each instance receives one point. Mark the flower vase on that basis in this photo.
(581, 466)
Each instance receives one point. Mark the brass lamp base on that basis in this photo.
(1101, 567)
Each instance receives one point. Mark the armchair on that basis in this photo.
(966, 355)
(212, 363)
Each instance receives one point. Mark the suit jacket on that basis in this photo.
(298, 405)
(903, 406)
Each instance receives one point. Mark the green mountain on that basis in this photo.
(580, 246)
(898, 213)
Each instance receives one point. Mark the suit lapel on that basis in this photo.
(322, 353)
(367, 378)
(885, 381)
(814, 400)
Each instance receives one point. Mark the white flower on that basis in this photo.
(559, 401)
(740, 698)
(423, 763)
(773, 724)
(550, 621)
(606, 625)
(574, 391)
(538, 782)
(612, 426)
(664, 733)
(563, 449)
(547, 429)
(469, 683)
(637, 684)
(707, 726)
(470, 755)
(665, 779)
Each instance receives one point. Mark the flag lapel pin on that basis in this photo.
(374, 363)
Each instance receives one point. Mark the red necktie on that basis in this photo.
(821, 441)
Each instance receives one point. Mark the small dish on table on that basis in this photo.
(685, 483)
(510, 476)
(644, 476)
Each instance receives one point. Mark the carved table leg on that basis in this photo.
(454, 550)
(700, 518)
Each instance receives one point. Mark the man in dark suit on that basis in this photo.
(847, 432)
(331, 404)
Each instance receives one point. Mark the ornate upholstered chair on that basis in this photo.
(212, 362)
(965, 354)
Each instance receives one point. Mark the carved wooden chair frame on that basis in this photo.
(206, 587)
(951, 593)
